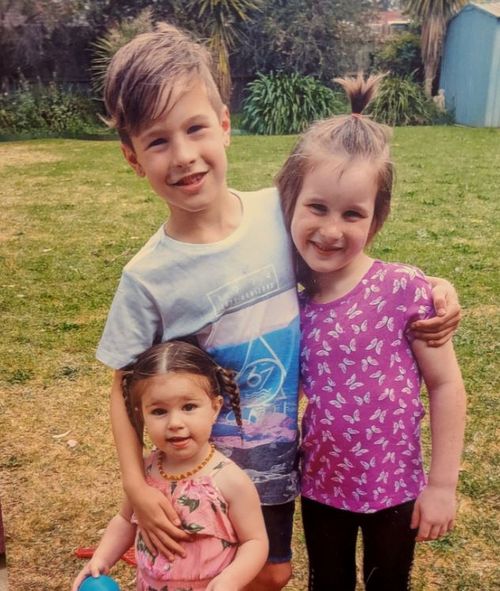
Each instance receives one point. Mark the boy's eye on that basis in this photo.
(195, 128)
(189, 406)
(157, 142)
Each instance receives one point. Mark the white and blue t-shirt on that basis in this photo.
(238, 297)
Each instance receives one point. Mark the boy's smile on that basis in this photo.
(182, 153)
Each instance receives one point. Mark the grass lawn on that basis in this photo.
(73, 213)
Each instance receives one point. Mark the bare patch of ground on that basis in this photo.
(12, 154)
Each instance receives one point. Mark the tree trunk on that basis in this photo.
(433, 29)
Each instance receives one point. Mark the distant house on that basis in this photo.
(388, 22)
(470, 67)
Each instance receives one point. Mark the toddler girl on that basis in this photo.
(174, 390)
(361, 369)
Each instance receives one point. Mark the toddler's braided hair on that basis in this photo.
(229, 385)
(178, 357)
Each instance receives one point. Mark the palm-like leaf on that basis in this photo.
(433, 16)
(222, 18)
(116, 37)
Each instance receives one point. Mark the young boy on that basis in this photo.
(218, 270)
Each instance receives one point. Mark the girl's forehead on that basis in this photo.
(339, 163)
(345, 182)
(176, 383)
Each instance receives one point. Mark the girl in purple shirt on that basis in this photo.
(361, 369)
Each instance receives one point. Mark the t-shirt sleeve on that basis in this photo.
(134, 323)
(417, 299)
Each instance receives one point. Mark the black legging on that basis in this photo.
(388, 547)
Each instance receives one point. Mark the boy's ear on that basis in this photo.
(225, 122)
(131, 158)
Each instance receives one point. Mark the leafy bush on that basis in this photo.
(400, 54)
(33, 109)
(281, 104)
(400, 101)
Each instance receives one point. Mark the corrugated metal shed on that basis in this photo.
(470, 68)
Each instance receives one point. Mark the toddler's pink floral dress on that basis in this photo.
(203, 513)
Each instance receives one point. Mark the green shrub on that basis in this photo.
(400, 55)
(36, 109)
(281, 104)
(400, 101)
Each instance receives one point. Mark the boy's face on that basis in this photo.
(182, 154)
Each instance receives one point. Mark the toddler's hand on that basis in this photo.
(156, 519)
(434, 512)
(93, 568)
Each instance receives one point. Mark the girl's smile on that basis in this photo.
(333, 216)
(179, 413)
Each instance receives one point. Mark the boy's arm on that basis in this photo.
(435, 507)
(155, 514)
(117, 539)
(246, 517)
(439, 329)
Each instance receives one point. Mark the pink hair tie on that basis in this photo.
(356, 115)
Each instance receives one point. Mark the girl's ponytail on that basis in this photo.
(359, 91)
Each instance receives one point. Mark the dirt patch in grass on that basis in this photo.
(60, 482)
(22, 154)
(483, 311)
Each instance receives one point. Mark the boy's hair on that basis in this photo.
(177, 357)
(345, 138)
(147, 73)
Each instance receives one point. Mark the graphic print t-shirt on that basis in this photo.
(238, 297)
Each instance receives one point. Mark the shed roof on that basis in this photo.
(491, 7)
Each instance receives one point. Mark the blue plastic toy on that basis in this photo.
(101, 583)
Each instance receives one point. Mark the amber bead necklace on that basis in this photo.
(187, 474)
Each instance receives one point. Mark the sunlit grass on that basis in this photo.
(73, 213)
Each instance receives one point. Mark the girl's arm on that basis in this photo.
(117, 539)
(155, 514)
(439, 329)
(246, 516)
(435, 508)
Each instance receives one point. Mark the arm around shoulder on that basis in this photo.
(246, 517)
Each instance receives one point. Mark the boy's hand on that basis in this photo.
(434, 512)
(157, 521)
(93, 568)
(439, 329)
